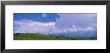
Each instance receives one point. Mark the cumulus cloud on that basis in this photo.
(29, 26)
(77, 19)
(44, 15)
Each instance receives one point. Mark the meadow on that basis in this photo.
(37, 36)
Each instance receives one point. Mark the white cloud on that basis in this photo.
(44, 15)
(29, 26)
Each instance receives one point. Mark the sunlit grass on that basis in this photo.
(36, 36)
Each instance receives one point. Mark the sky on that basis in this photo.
(39, 17)
(54, 23)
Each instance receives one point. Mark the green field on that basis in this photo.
(36, 36)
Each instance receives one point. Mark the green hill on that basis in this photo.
(36, 36)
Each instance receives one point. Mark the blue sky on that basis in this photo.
(49, 17)
(53, 23)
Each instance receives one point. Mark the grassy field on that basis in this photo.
(35, 36)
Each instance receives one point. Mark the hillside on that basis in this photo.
(36, 36)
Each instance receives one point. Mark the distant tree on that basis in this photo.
(17, 33)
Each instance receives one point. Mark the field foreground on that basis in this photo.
(36, 36)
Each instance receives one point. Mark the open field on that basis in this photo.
(36, 36)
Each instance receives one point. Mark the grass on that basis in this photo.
(36, 36)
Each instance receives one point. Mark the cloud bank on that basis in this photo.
(29, 26)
